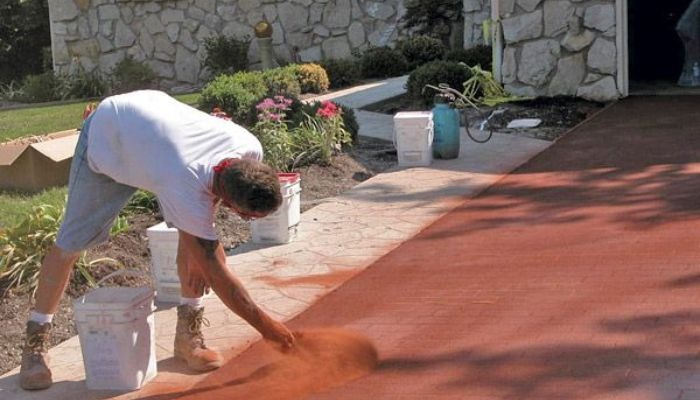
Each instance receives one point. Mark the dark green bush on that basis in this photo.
(24, 34)
(281, 82)
(312, 78)
(234, 94)
(81, 85)
(226, 55)
(432, 17)
(129, 75)
(434, 73)
(383, 62)
(342, 73)
(40, 88)
(48, 86)
(421, 49)
(477, 55)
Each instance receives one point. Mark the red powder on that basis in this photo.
(330, 279)
(322, 359)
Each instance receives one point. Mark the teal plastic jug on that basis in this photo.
(445, 129)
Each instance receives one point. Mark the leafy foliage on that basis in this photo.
(383, 62)
(421, 49)
(343, 72)
(226, 55)
(433, 73)
(129, 75)
(432, 17)
(281, 81)
(23, 247)
(234, 94)
(310, 138)
(24, 33)
(312, 78)
(478, 55)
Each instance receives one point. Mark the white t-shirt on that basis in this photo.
(150, 140)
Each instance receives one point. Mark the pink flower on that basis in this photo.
(328, 110)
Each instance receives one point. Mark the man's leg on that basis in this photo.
(55, 273)
(94, 201)
(189, 340)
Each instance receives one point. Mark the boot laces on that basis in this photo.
(37, 343)
(195, 327)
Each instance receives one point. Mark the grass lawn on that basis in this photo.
(14, 205)
(40, 120)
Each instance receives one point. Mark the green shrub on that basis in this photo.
(312, 78)
(141, 202)
(40, 88)
(342, 73)
(234, 94)
(129, 75)
(421, 49)
(478, 55)
(24, 34)
(281, 82)
(226, 55)
(432, 17)
(81, 85)
(11, 91)
(383, 62)
(434, 73)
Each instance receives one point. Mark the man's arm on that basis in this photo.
(208, 257)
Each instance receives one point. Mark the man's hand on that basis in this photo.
(196, 280)
(279, 336)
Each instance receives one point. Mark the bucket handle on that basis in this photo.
(123, 272)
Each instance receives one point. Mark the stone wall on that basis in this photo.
(475, 13)
(560, 47)
(168, 34)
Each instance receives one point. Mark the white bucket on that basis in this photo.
(413, 138)
(162, 242)
(281, 226)
(116, 328)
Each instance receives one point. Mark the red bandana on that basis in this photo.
(223, 164)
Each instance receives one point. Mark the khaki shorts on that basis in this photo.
(94, 202)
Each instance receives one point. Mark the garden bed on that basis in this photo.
(558, 114)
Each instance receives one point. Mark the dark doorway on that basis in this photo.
(656, 53)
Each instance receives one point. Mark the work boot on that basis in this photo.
(189, 342)
(34, 373)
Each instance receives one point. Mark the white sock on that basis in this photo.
(194, 302)
(40, 318)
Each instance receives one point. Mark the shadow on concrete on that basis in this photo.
(666, 351)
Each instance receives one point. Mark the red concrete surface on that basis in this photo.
(575, 277)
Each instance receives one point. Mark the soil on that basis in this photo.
(364, 160)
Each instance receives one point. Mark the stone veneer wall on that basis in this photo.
(168, 34)
(560, 47)
(475, 12)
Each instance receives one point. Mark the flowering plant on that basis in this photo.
(328, 110)
(314, 139)
(273, 132)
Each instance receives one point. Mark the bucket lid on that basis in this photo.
(113, 298)
(289, 178)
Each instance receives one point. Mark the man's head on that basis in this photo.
(250, 188)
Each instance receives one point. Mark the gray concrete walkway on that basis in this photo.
(335, 240)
